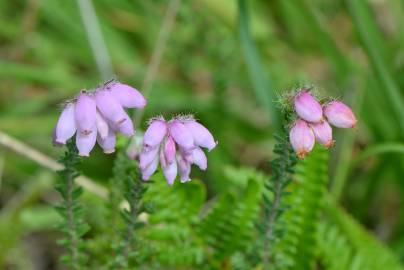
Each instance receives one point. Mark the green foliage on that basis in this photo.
(296, 249)
(228, 226)
(169, 237)
(71, 210)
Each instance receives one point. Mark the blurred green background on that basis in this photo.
(225, 69)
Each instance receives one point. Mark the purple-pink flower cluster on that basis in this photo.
(97, 116)
(314, 122)
(176, 145)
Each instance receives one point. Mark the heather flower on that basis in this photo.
(66, 125)
(301, 138)
(323, 133)
(307, 107)
(97, 116)
(339, 115)
(175, 145)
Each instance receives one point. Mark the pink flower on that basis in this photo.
(339, 115)
(323, 133)
(98, 116)
(66, 125)
(126, 95)
(175, 144)
(302, 138)
(307, 107)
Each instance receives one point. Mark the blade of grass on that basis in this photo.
(261, 85)
(367, 32)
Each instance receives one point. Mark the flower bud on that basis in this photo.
(184, 168)
(85, 141)
(181, 135)
(85, 113)
(307, 107)
(301, 138)
(323, 133)
(147, 156)
(169, 169)
(199, 158)
(201, 135)
(110, 107)
(102, 125)
(107, 143)
(339, 115)
(150, 169)
(155, 133)
(127, 96)
(66, 125)
(169, 150)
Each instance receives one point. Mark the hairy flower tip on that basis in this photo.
(126, 95)
(307, 107)
(176, 146)
(339, 115)
(66, 125)
(323, 133)
(301, 138)
(85, 113)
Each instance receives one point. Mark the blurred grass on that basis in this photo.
(226, 67)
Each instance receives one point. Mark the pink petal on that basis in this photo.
(66, 125)
(181, 135)
(323, 133)
(155, 133)
(199, 158)
(201, 135)
(127, 96)
(85, 142)
(146, 157)
(107, 143)
(110, 107)
(339, 115)
(150, 169)
(307, 107)
(102, 125)
(169, 169)
(85, 113)
(169, 150)
(184, 168)
(302, 138)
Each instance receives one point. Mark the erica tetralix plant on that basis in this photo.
(97, 116)
(313, 122)
(176, 144)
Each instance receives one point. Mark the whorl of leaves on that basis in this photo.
(127, 177)
(72, 224)
(275, 189)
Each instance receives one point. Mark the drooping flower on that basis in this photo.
(175, 145)
(97, 116)
(339, 115)
(307, 107)
(323, 133)
(66, 125)
(301, 138)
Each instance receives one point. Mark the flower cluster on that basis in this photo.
(97, 116)
(314, 122)
(176, 144)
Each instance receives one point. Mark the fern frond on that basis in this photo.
(299, 224)
(228, 227)
(373, 253)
